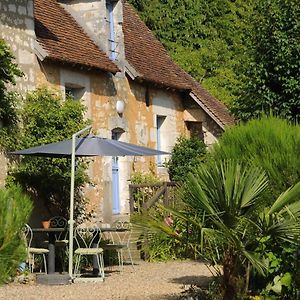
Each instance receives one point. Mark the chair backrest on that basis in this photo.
(122, 234)
(59, 222)
(87, 237)
(122, 225)
(27, 235)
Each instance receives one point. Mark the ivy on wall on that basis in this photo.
(9, 72)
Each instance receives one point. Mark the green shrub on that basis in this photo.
(187, 154)
(15, 208)
(46, 118)
(270, 143)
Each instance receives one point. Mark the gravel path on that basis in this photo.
(153, 281)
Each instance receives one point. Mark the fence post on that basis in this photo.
(166, 200)
(131, 199)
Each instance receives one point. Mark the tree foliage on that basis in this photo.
(46, 118)
(274, 69)
(246, 53)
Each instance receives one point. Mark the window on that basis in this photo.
(74, 92)
(159, 123)
(116, 205)
(111, 29)
(195, 129)
(147, 97)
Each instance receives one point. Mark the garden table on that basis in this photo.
(51, 245)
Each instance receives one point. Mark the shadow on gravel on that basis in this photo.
(189, 285)
(202, 281)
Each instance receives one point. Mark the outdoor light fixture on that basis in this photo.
(120, 106)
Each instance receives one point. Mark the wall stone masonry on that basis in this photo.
(17, 29)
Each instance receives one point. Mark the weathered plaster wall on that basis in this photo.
(212, 132)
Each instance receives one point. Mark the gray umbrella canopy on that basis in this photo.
(90, 146)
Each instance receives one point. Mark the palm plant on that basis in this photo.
(225, 204)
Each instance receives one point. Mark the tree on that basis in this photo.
(46, 118)
(9, 71)
(229, 197)
(274, 69)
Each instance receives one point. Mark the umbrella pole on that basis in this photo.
(71, 221)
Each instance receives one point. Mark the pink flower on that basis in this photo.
(169, 221)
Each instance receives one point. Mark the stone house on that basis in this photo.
(101, 53)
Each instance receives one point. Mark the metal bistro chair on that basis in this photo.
(31, 252)
(119, 241)
(61, 238)
(88, 240)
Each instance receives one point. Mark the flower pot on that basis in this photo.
(46, 224)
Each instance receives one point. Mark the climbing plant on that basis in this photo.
(9, 72)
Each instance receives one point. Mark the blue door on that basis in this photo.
(115, 181)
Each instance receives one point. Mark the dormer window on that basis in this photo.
(110, 5)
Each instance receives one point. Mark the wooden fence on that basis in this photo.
(144, 196)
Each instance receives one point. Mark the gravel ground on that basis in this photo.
(153, 281)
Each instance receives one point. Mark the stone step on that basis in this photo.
(53, 279)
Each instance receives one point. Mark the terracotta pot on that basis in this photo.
(46, 224)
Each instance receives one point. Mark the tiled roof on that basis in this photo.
(64, 40)
(146, 54)
(152, 62)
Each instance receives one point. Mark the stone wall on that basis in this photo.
(17, 29)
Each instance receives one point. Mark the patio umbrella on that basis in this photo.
(84, 147)
(89, 146)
